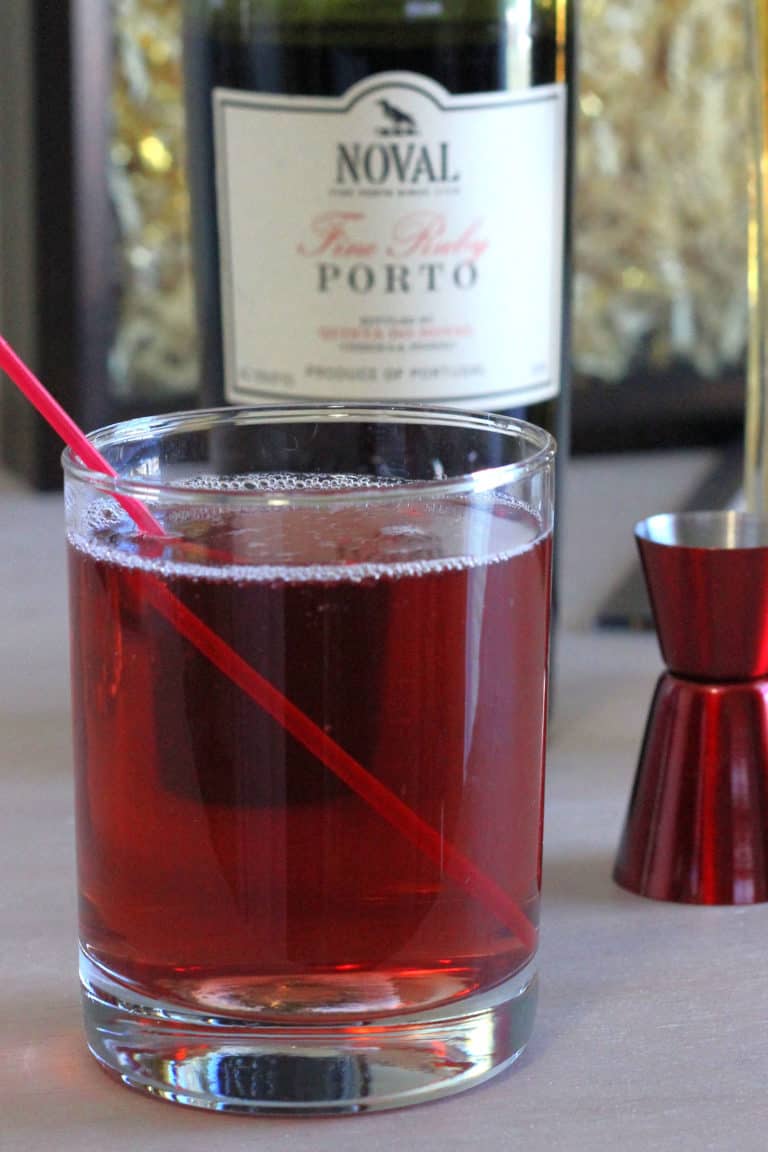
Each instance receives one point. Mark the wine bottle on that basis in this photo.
(379, 195)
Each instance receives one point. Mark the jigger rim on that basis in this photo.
(715, 530)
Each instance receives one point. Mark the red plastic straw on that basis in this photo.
(381, 799)
(64, 425)
(434, 846)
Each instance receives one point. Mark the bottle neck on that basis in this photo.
(243, 17)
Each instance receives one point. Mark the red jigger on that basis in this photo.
(697, 827)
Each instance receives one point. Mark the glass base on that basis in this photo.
(288, 1068)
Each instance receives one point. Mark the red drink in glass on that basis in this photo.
(309, 737)
(221, 865)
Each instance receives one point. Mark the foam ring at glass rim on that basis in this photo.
(542, 448)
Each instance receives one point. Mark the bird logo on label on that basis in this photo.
(399, 123)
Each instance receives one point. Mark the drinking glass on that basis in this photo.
(309, 740)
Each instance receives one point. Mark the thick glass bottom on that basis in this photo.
(294, 1068)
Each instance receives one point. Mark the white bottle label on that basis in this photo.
(397, 243)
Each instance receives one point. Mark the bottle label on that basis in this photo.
(397, 243)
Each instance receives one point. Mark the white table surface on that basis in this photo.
(652, 1030)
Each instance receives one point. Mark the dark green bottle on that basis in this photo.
(379, 193)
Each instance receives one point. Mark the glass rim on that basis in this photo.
(542, 443)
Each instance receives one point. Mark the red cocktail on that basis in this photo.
(230, 879)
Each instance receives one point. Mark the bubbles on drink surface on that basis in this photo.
(288, 482)
(402, 529)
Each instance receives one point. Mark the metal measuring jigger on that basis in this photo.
(697, 826)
